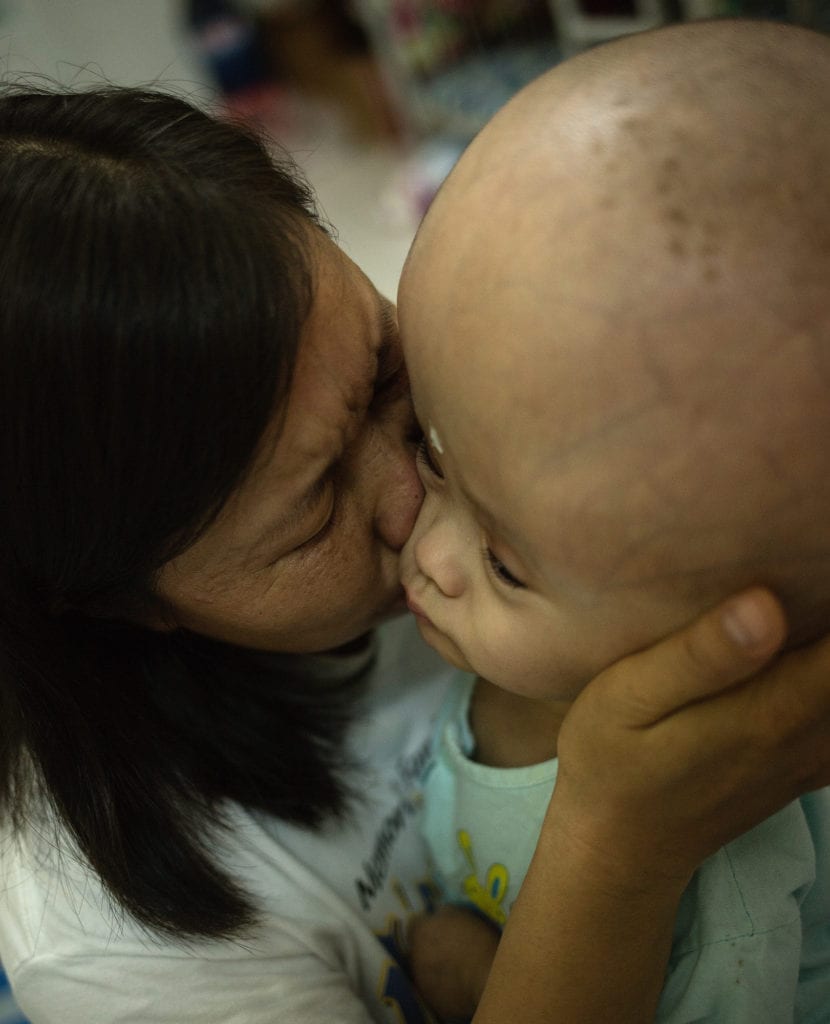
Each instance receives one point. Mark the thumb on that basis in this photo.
(724, 646)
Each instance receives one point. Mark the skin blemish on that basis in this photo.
(435, 440)
(790, 193)
(677, 216)
(677, 248)
(667, 175)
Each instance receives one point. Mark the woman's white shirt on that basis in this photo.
(334, 903)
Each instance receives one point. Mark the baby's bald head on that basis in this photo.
(697, 152)
(631, 261)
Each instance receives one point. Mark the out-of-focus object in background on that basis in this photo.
(229, 42)
(581, 23)
(299, 68)
(323, 52)
(804, 12)
(450, 64)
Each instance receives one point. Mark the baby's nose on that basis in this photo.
(437, 559)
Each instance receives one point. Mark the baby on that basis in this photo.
(616, 319)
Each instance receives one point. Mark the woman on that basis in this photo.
(209, 764)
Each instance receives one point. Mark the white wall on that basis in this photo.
(128, 42)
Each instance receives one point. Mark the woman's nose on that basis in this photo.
(399, 497)
(393, 478)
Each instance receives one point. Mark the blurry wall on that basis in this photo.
(131, 42)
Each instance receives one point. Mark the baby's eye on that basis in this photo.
(424, 457)
(500, 570)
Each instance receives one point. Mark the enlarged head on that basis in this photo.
(616, 322)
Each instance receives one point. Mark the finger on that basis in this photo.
(792, 697)
(724, 646)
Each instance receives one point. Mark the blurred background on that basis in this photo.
(375, 99)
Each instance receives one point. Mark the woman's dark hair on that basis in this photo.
(153, 285)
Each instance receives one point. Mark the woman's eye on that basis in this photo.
(323, 531)
(501, 571)
(391, 387)
(424, 456)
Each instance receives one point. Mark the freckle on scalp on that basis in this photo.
(676, 215)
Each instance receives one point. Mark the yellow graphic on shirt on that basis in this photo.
(489, 895)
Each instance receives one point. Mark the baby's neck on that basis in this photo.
(512, 731)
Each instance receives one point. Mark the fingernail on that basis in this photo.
(745, 621)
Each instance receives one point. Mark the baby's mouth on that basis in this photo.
(417, 610)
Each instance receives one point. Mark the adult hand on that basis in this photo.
(676, 750)
(664, 757)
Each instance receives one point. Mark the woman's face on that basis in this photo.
(304, 556)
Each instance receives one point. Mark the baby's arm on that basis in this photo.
(663, 759)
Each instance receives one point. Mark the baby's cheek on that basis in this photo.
(502, 655)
